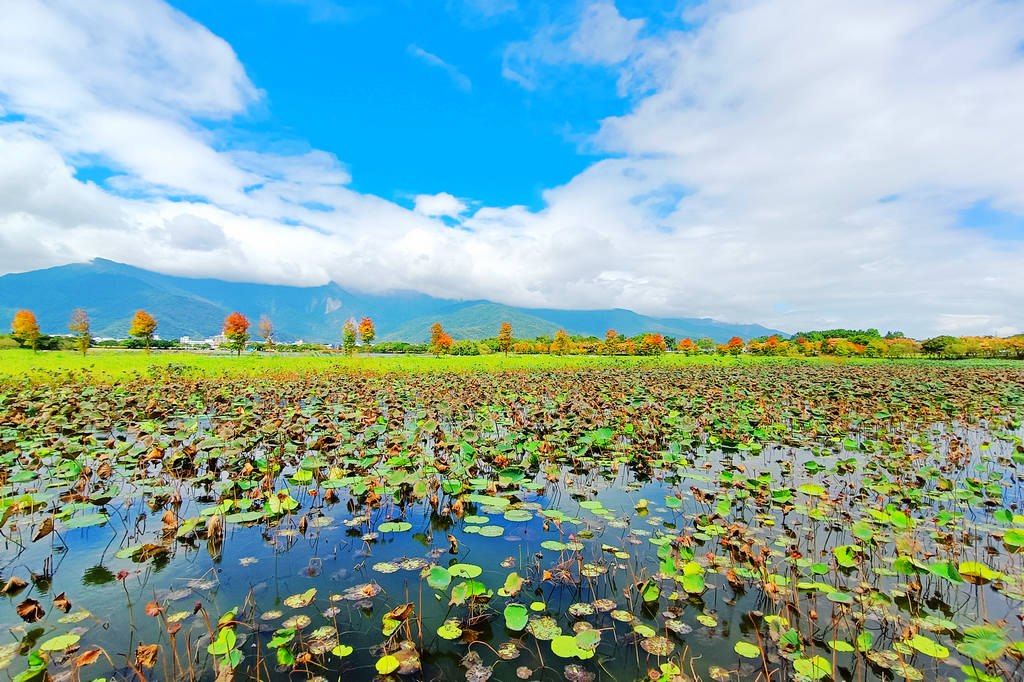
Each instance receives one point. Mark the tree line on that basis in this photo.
(361, 336)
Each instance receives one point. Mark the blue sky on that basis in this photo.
(797, 163)
(349, 79)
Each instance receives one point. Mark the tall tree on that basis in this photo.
(436, 330)
(440, 342)
(349, 333)
(25, 329)
(236, 329)
(266, 331)
(652, 344)
(505, 339)
(561, 342)
(143, 326)
(611, 341)
(80, 326)
(366, 331)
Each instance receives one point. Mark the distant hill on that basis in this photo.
(111, 293)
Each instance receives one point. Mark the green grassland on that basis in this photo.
(120, 365)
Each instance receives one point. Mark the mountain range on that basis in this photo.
(111, 292)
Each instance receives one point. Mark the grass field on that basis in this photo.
(105, 365)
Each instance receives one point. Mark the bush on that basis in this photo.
(465, 347)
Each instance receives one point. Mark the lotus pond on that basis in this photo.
(609, 523)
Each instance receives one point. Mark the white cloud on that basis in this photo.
(747, 182)
(192, 233)
(442, 204)
(460, 79)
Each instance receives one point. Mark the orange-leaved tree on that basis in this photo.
(735, 345)
(80, 326)
(366, 331)
(560, 344)
(505, 339)
(611, 342)
(440, 342)
(143, 326)
(236, 329)
(652, 344)
(349, 333)
(444, 344)
(266, 331)
(687, 346)
(25, 329)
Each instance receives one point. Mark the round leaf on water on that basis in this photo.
(983, 643)
(298, 601)
(564, 646)
(975, 571)
(487, 500)
(658, 645)
(491, 531)
(928, 646)
(87, 520)
(516, 616)
(449, 630)
(947, 570)
(465, 570)
(342, 650)
(644, 630)
(746, 649)
(59, 643)
(544, 628)
(387, 664)
(1014, 538)
(588, 639)
(813, 668)
(394, 526)
(846, 555)
(694, 583)
(439, 577)
(840, 645)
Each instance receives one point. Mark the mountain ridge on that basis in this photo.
(111, 292)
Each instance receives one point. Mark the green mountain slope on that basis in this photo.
(479, 321)
(111, 293)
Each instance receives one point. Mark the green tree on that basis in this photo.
(939, 345)
(349, 333)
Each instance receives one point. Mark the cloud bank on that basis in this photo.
(795, 163)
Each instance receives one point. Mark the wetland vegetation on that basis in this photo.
(491, 518)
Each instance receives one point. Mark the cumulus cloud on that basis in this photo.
(799, 173)
(442, 204)
(192, 233)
